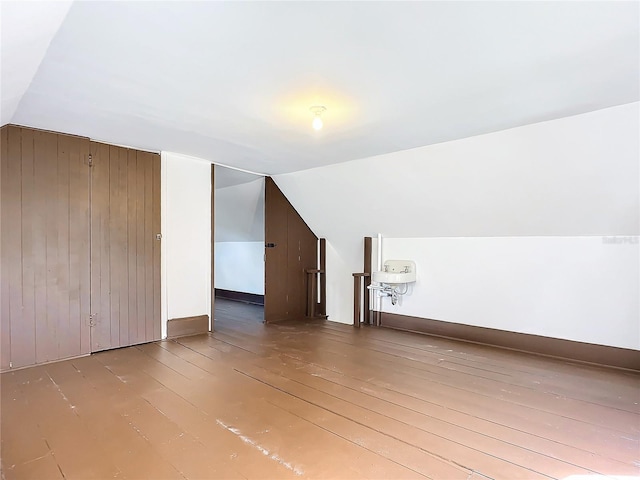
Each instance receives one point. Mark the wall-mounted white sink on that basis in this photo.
(395, 272)
(391, 277)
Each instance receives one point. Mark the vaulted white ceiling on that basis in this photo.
(232, 82)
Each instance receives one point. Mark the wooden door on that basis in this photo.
(125, 247)
(45, 247)
(276, 305)
(290, 249)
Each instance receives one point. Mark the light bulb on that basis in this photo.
(317, 121)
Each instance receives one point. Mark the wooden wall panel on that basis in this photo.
(149, 240)
(126, 255)
(132, 236)
(45, 250)
(302, 255)
(276, 254)
(79, 230)
(31, 231)
(294, 252)
(46, 150)
(156, 329)
(5, 323)
(140, 266)
(55, 280)
(68, 336)
(22, 330)
(100, 252)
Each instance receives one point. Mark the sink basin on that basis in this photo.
(393, 277)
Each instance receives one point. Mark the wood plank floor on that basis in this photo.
(317, 400)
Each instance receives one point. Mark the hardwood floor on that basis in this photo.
(317, 400)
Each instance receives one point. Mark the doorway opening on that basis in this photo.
(239, 246)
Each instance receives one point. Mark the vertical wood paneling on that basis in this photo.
(148, 243)
(125, 202)
(30, 256)
(44, 246)
(119, 253)
(132, 222)
(294, 282)
(308, 258)
(68, 333)
(294, 252)
(39, 229)
(100, 252)
(22, 323)
(156, 228)
(140, 267)
(79, 231)
(76, 243)
(5, 204)
(49, 337)
(114, 249)
(275, 222)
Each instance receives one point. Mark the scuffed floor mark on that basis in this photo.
(260, 448)
(122, 379)
(71, 405)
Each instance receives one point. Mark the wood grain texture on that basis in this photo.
(32, 252)
(22, 330)
(79, 231)
(293, 252)
(100, 247)
(125, 213)
(52, 205)
(276, 254)
(5, 203)
(276, 401)
(46, 246)
(156, 228)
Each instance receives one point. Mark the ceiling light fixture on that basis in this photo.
(317, 121)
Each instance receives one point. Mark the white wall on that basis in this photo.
(552, 189)
(239, 212)
(239, 266)
(577, 288)
(186, 237)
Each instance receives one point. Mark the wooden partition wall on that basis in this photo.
(45, 247)
(80, 263)
(125, 249)
(291, 248)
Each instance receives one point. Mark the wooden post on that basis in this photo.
(356, 300)
(367, 280)
(311, 293)
(357, 295)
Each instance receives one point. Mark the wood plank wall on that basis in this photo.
(295, 249)
(125, 254)
(78, 247)
(45, 247)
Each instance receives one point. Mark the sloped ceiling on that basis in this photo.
(239, 211)
(26, 30)
(232, 82)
